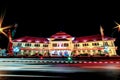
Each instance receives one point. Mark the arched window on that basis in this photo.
(106, 43)
(65, 44)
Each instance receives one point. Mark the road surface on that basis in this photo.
(17, 69)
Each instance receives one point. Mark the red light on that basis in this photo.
(41, 57)
(111, 62)
(100, 62)
(90, 62)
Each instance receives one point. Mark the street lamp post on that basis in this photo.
(2, 30)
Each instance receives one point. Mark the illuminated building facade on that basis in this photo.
(63, 44)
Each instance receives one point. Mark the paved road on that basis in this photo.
(27, 68)
(85, 70)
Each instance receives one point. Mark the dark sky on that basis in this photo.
(45, 19)
(35, 18)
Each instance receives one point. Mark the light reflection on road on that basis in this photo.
(51, 68)
(61, 67)
(110, 70)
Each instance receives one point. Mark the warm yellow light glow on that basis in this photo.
(118, 26)
(3, 28)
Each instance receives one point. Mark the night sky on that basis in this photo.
(43, 19)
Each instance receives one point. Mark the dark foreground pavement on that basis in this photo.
(34, 75)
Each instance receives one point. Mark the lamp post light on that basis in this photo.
(2, 29)
(117, 28)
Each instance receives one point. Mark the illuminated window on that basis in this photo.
(54, 45)
(112, 43)
(83, 51)
(28, 44)
(106, 43)
(79, 50)
(62, 45)
(37, 45)
(19, 44)
(45, 45)
(94, 51)
(95, 44)
(86, 44)
(99, 51)
(76, 45)
(66, 45)
(88, 50)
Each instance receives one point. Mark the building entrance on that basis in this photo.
(60, 53)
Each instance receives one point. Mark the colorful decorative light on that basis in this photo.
(19, 40)
(37, 41)
(16, 49)
(41, 57)
(69, 58)
(29, 41)
(84, 40)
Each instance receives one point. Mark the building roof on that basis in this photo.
(31, 39)
(60, 40)
(61, 35)
(91, 38)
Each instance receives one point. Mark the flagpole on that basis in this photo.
(102, 34)
(9, 43)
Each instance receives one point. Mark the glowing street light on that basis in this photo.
(118, 26)
(3, 28)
